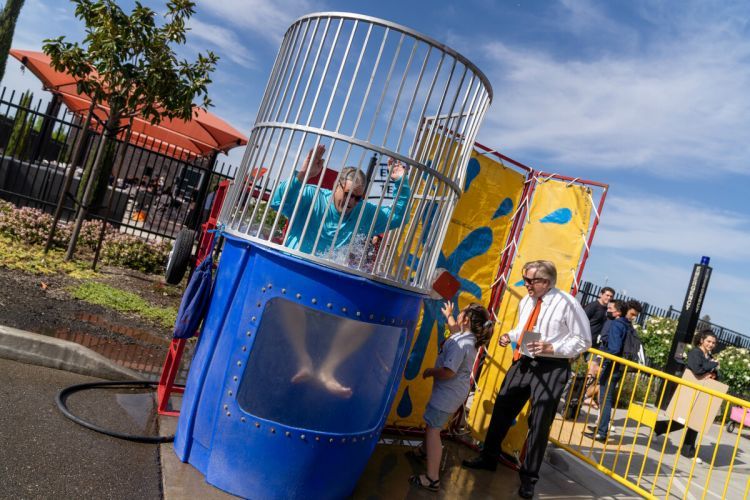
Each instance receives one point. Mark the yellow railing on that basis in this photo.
(632, 454)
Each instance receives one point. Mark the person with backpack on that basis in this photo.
(622, 341)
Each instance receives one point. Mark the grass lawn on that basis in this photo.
(123, 301)
(81, 283)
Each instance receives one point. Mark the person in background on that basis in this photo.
(700, 361)
(595, 362)
(596, 312)
(611, 373)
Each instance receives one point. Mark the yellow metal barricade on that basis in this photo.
(654, 418)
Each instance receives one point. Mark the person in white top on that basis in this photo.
(552, 329)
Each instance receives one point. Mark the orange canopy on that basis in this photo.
(204, 134)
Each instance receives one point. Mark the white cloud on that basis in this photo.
(226, 41)
(635, 223)
(678, 102)
(269, 19)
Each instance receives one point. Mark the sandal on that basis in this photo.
(417, 453)
(424, 482)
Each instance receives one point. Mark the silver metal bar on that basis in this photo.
(338, 75)
(397, 27)
(440, 116)
(420, 208)
(369, 84)
(356, 142)
(275, 76)
(398, 96)
(313, 68)
(413, 99)
(290, 73)
(325, 70)
(299, 73)
(344, 108)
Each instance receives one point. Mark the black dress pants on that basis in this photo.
(542, 380)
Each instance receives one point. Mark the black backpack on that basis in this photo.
(632, 348)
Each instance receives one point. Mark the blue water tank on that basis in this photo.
(294, 375)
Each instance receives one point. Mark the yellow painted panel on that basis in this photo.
(471, 251)
(556, 229)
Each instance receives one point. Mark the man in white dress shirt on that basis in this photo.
(556, 330)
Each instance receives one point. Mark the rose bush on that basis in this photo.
(31, 226)
(656, 336)
(734, 370)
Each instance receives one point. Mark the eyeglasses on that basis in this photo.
(533, 281)
(356, 197)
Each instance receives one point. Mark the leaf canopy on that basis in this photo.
(129, 62)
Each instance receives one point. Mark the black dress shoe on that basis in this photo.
(480, 462)
(526, 490)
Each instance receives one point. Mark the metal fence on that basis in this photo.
(156, 191)
(689, 449)
(588, 292)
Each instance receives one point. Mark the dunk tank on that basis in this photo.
(324, 267)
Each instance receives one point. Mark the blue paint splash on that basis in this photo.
(476, 243)
(518, 283)
(472, 170)
(506, 207)
(559, 216)
(404, 407)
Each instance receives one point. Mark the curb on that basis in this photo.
(36, 349)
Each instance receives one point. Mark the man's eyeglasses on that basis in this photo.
(356, 197)
(533, 281)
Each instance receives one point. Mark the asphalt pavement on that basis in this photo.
(45, 455)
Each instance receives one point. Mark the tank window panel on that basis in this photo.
(328, 372)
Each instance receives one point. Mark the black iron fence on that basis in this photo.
(156, 191)
(588, 292)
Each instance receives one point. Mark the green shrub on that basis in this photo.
(135, 253)
(19, 135)
(31, 226)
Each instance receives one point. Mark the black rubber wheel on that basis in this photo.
(731, 426)
(179, 257)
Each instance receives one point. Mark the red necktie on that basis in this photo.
(529, 325)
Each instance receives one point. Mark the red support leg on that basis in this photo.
(169, 371)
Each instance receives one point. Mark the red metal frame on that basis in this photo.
(500, 283)
(166, 386)
(594, 225)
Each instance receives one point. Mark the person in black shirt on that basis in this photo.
(699, 361)
(596, 312)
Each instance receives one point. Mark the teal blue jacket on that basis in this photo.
(324, 212)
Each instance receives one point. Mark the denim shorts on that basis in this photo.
(436, 418)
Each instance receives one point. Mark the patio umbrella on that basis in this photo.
(204, 134)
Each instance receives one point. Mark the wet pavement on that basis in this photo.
(45, 455)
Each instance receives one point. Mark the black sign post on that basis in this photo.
(691, 309)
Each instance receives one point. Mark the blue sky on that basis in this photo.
(651, 97)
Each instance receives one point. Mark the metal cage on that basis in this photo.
(374, 95)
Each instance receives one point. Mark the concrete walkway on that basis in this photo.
(57, 458)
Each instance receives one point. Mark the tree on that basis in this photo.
(8, 18)
(19, 135)
(128, 62)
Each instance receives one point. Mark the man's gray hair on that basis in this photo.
(544, 269)
(355, 176)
